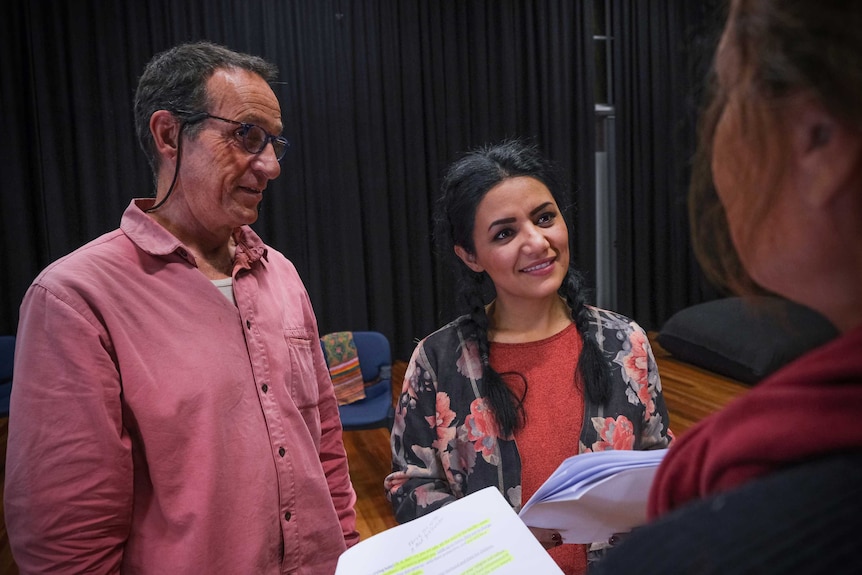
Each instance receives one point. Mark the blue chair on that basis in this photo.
(7, 354)
(375, 362)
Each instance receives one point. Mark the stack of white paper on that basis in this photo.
(591, 496)
(476, 535)
(587, 499)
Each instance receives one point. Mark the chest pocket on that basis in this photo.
(300, 375)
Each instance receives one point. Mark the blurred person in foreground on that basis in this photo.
(773, 482)
(171, 410)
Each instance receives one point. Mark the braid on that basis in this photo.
(508, 410)
(591, 363)
(464, 185)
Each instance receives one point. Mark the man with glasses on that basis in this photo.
(172, 409)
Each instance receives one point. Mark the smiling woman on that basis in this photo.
(521, 241)
(503, 394)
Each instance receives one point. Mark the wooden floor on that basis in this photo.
(370, 458)
(690, 393)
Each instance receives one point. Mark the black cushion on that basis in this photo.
(745, 339)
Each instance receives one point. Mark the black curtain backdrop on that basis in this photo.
(662, 51)
(378, 96)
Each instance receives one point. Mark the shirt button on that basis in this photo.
(264, 387)
(182, 252)
(287, 516)
(281, 451)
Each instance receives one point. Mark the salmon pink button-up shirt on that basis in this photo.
(157, 428)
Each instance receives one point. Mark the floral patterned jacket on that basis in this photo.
(443, 447)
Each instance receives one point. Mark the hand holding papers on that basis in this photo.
(588, 498)
(476, 535)
(591, 496)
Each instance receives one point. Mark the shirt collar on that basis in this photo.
(155, 240)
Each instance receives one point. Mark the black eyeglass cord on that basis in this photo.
(176, 169)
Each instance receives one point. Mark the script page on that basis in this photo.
(476, 535)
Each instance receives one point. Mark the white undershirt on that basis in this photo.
(225, 286)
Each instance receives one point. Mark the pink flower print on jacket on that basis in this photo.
(635, 370)
(430, 468)
(468, 363)
(442, 422)
(481, 430)
(615, 433)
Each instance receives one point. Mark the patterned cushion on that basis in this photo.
(343, 362)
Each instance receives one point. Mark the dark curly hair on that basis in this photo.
(464, 185)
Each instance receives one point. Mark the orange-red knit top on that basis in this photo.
(554, 408)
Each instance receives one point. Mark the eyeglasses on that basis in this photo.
(254, 138)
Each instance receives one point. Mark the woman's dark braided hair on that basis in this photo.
(464, 185)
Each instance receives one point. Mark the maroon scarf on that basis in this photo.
(809, 408)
